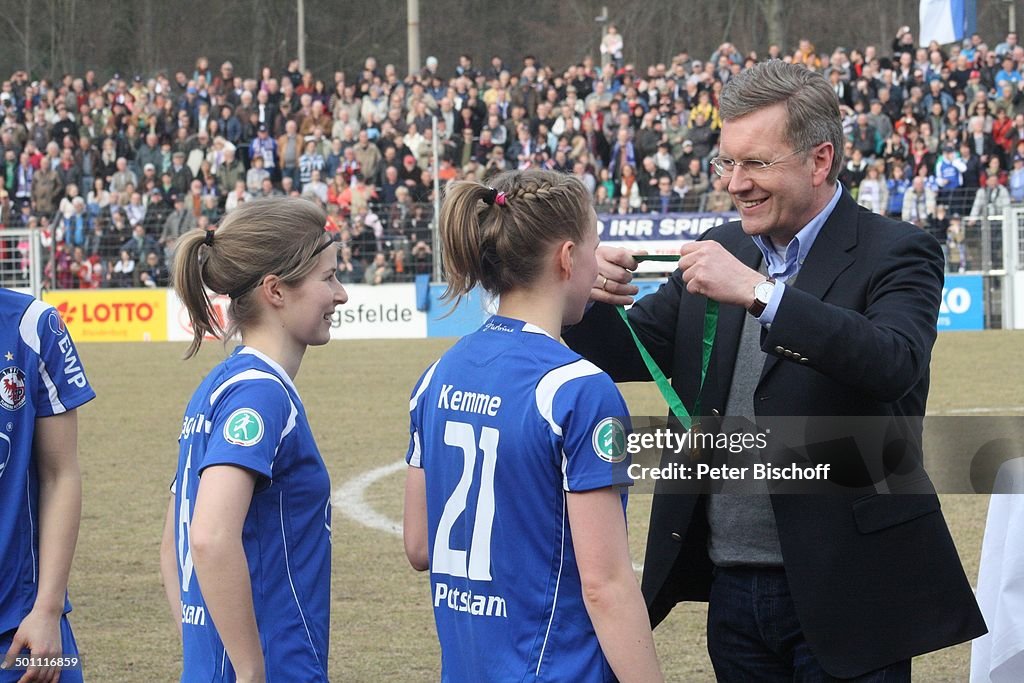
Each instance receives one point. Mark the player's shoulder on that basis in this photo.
(14, 302)
(33, 321)
(20, 311)
(249, 373)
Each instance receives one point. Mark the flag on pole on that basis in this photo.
(946, 21)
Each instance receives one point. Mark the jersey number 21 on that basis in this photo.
(445, 559)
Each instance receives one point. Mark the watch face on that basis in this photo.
(763, 292)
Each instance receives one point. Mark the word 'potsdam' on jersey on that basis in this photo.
(467, 601)
(468, 401)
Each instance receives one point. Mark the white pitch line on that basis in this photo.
(978, 410)
(350, 500)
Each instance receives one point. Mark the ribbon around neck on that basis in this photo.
(675, 403)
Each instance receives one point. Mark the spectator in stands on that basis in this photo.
(919, 203)
(718, 200)
(315, 188)
(153, 272)
(648, 177)
(181, 175)
(122, 176)
(45, 191)
(237, 196)
(98, 197)
(349, 270)
(896, 188)
(357, 197)
(255, 176)
(991, 200)
(697, 183)
(123, 272)
(139, 244)
(872, 193)
(379, 271)
(178, 222)
(311, 160)
(135, 211)
(628, 193)
(367, 155)
(1016, 181)
(665, 200)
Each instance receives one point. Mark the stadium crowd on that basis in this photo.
(113, 173)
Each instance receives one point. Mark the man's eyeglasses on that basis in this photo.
(726, 167)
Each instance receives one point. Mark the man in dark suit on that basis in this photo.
(826, 310)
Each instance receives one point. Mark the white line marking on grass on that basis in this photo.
(350, 500)
(983, 410)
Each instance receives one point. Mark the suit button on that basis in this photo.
(804, 361)
(797, 356)
(789, 354)
(676, 537)
(779, 349)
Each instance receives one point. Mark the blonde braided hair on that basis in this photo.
(501, 245)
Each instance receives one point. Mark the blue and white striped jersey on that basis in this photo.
(40, 376)
(247, 413)
(504, 425)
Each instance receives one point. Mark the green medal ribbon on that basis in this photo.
(675, 404)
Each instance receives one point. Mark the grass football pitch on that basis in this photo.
(356, 395)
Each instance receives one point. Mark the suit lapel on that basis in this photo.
(829, 256)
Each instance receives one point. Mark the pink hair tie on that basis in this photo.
(495, 197)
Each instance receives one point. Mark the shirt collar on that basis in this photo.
(274, 365)
(801, 245)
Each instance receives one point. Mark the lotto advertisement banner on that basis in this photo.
(108, 315)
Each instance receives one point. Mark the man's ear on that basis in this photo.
(822, 157)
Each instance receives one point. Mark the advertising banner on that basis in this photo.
(963, 303)
(109, 315)
(656, 233)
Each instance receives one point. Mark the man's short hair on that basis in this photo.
(811, 105)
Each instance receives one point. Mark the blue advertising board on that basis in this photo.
(963, 303)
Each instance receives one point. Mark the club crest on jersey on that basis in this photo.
(56, 324)
(12, 388)
(609, 440)
(244, 427)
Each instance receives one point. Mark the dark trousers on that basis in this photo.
(754, 634)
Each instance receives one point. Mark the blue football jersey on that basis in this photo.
(504, 425)
(247, 413)
(40, 376)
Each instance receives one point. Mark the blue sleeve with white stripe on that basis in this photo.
(63, 385)
(249, 420)
(595, 423)
(412, 455)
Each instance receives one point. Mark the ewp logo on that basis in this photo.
(66, 311)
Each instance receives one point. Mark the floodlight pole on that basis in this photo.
(413, 34)
(302, 34)
(436, 222)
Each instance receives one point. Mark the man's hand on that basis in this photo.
(615, 268)
(710, 270)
